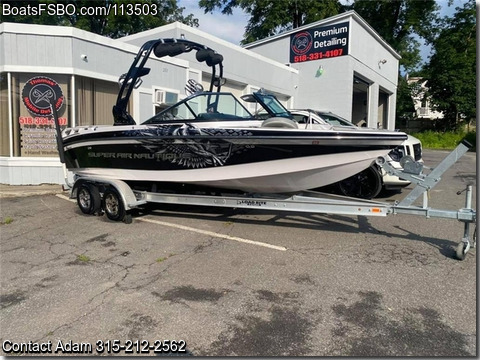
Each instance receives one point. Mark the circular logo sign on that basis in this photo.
(301, 43)
(39, 92)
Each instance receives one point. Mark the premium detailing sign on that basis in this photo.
(319, 43)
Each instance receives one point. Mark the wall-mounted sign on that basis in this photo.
(319, 43)
(39, 92)
(37, 128)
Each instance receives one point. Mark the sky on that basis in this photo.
(226, 27)
(232, 27)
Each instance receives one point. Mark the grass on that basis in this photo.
(162, 259)
(83, 258)
(7, 220)
(445, 140)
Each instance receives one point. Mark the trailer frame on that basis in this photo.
(116, 198)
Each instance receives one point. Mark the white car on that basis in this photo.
(315, 119)
(368, 183)
(411, 147)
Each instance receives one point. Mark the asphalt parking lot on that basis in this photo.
(329, 285)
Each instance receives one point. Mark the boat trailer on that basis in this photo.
(116, 198)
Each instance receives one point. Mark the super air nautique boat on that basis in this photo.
(211, 139)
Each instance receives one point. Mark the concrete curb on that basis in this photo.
(12, 191)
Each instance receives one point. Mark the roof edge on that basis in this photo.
(70, 31)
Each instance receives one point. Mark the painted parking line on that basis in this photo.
(64, 197)
(213, 234)
(198, 231)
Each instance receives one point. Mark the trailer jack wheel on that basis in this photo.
(113, 205)
(462, 250)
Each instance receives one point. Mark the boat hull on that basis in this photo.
(252, 160)
(276, 176)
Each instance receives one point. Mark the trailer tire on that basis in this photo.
(128, 219)
(88, 198)
(113, 205)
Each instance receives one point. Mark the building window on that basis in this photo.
(32, 121)
(4, 127)
(32, 126)
(163, 99)
(94, 101)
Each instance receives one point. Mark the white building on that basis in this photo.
(349, 69)
(421, 102)
(340, 64)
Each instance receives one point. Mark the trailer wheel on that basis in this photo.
(113, 205)
(365, 185)
(88, 199)
(461, 251)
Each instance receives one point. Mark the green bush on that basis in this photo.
(445, 140)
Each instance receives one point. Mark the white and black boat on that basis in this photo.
(211, 139)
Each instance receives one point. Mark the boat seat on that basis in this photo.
(280, 122)
(207, 116)
(216, 116)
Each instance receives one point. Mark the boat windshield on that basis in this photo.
(268, 103)
(333, 119)
(274, 105)
(204, 106)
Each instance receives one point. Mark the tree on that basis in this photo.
(451, 72)
(405, 110)
(130, 16)
(401, 23)
(270, 17)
